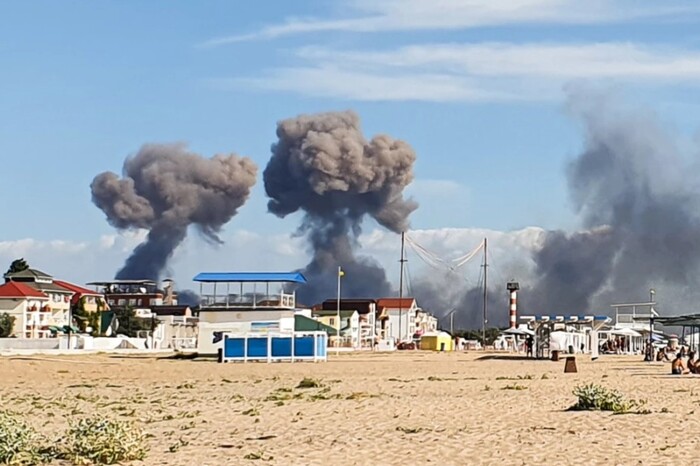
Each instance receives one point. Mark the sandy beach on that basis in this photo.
(404, 408)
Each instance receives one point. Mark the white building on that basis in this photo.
(425, 322)
(397, 318)
(30, 309)
(349, 325)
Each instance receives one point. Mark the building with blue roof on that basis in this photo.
(246, 303)
(248, 290)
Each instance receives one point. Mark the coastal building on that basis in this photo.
(26, 305)
(425, 323)
(84, 298)
(54, 312)
(366, 315)
(349, 326)
(137, 294)
(397, 318)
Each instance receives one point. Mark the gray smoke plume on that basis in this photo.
(323, 166)
(638, 199)
(165, 189)
(631, 186)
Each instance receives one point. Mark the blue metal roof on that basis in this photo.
(260, 277)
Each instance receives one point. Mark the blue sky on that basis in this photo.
(477, 88)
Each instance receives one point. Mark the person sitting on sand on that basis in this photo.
(661, 355)
(678, 366)
(692, 365)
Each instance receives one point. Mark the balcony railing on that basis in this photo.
(248, 301)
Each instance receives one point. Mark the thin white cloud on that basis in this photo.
(339, 81)
(406, 15)
(475, 72)
(250, 251)
(539, 60)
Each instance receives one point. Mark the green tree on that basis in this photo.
(86, 318)
(129, 324)
(7, 323)
(17, 265)
(491, 335)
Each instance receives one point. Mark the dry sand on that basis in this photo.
(372, 409)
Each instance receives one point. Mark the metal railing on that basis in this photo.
(286, 300)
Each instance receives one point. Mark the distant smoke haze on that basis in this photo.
(165, 189)
(638, 198)
(323, 166)
(188, 298)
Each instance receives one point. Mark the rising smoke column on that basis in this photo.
(638, 198)
(165, 189)
(322, 165)
(637, 195)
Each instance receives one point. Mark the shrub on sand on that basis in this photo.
(308, 382)
(597, 397)
(19, 443)
(102, 440)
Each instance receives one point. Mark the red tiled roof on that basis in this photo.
(395, 303)
(20, 290)
(77, 289)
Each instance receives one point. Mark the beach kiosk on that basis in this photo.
(252, 316)
(436, 341)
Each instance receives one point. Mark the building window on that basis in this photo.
(122, 302)
(331, 321)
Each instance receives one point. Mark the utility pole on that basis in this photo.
(483, 324)
(652, 294)
(402, 260)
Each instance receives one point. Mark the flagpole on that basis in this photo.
(337, 335)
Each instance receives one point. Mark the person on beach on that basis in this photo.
(528, 345)
(692, 365)
(678, 366)
(663, 355)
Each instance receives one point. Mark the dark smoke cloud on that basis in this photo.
(638, 199)
(631, 188)
(165, 189)
(188, 298)
(323, 166)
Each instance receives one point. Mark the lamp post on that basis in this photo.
(451, 315)
(337, 332)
